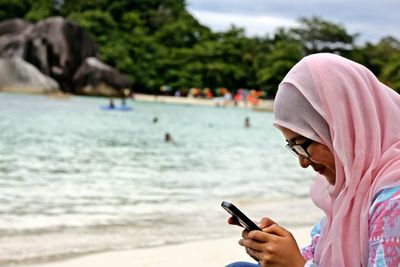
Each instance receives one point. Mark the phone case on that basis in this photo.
(243, 219)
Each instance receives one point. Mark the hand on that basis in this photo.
(264, 223)
(273, 247)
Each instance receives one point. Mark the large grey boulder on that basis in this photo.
(17, 75)
(14, 35)
(96, 78)
(13, 26)
(58, 47)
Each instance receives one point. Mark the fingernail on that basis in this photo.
(240, 242)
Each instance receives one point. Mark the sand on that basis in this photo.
(263, 105)
(209, 253)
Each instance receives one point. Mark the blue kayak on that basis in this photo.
(118, 108)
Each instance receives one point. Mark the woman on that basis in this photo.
(339, 119)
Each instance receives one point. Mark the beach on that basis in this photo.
(210, 253)
(262, 105)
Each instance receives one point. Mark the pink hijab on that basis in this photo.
(363, 117)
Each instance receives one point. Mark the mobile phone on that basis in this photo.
(243, 219)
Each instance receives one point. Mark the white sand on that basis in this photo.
(263, 105)
(210, 253)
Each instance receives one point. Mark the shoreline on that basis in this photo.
(263, 105)
(213, 252)
(266, 105)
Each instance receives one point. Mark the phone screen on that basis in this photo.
(243, 219)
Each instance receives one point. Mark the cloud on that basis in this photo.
(371, 19)
(253, 25)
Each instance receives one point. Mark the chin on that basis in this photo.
(331, 180)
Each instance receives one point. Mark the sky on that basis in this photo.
(371, 19)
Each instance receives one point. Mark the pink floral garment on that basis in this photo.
(384, 231)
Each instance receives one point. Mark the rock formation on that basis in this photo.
(18, 75)
(58, 47)
(14, 34)
(96, 78)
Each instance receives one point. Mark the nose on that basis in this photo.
(304, 163)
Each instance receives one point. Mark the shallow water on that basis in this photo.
(76, 179)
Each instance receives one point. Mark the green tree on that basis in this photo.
(40, 9)
(183, 32)
(384, 60)
(68, 7)
(278, 62)
(391, 73)
(319, 35)
(215, 61)
(376, 56)
(13, 8)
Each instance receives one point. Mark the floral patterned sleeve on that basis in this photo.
(384, 229)
(308, 251)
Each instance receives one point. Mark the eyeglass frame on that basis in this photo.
(299, 149)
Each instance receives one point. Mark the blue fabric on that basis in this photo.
(242, 264)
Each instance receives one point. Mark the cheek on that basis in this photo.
(329, 159)
(331, 164)
(324, 156)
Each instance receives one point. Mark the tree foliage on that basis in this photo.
(157, 42)
(40, 9)
(13, 8)
(318, 35)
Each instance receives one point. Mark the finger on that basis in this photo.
(233, 220)
(277, 230)
(265, 222)
(257, 255)
(251, 244)
(261, 236)
(245, 233)
(249, 251)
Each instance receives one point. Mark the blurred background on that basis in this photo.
(101, 47)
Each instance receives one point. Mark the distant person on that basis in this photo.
(339, 119)
(155, 120)
(168, 138)
(123, 101)
(227, 98)
(111, 104)
(247, 122)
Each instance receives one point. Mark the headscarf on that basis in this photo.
(289, 101)
(363, 117)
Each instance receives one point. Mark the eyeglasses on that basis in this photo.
(299, 149)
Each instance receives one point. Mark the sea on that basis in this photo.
(76, 179)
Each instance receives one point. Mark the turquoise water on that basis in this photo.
(76, 180)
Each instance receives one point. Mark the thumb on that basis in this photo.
(277, 230)
(265, 222)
